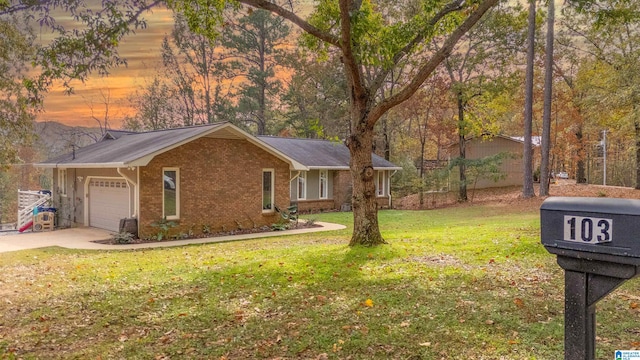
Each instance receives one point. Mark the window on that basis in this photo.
(62, 182)
(267, 190)
(324, 184)
(381, 184)
(171, 193)
(302, 186)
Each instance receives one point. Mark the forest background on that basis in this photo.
(264, 75)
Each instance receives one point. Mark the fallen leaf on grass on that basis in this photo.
(364, 330)
(426, 344)
(633, 305)
(519, 302)
(368, 303)
(489, 322)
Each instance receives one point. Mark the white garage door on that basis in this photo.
(108, 203)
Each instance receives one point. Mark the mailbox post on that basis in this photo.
(597, 242)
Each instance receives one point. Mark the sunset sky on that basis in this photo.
(142, 51)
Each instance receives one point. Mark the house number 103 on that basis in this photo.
(587, 229)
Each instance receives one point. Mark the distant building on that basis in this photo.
(481, 147)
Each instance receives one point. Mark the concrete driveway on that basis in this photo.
(69, 238)
(84, 237)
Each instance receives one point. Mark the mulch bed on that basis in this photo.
(263, 229)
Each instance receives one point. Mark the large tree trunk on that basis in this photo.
(637, 129)
(548, 98)
(422, 180)
(527, 157)
(462, 196)
(386, 139)
(581, 177)
(365, 208)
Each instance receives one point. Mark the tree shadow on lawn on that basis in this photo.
(364, 303)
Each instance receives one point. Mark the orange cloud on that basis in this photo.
(142, 51)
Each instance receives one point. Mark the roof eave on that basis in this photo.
(347, 168)
(387, 168)
(328, 167)
(81, 165)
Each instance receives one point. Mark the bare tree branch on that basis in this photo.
(419, 38)
(428, 68)
(352, 70)
(298, 21)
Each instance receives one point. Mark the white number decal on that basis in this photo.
(587, 229)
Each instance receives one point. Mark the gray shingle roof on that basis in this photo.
(125, 148)
(129, 149)
(320, 153)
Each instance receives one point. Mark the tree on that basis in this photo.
(197, 70)
(254, 46)
(315, 102)
(426, 117)
(609, 33)
(154, 108)
(527, 158)
(476, 69)
(17, 108)
(548, 96)
(487, 167)
(102, 122)
(367, 42)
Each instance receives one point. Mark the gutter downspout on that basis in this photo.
(390, 176)
(135, 192)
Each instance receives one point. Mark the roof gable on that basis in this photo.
(127, 149)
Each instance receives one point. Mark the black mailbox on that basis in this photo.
(604, 229)
(597, 242)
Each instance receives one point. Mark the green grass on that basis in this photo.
(461, 283)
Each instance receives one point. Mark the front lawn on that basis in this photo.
(459, 283)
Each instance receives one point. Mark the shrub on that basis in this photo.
(123, 237)
(163, 227)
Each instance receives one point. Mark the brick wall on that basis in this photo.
(342, 188)
(316, 205)
(220, 185)
(342, 191)
(383, 202)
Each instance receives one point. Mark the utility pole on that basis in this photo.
(604, 155)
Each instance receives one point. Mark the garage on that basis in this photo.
(108, 203)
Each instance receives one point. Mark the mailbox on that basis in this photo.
(592, 228)
(597, 243)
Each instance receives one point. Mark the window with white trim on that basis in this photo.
(381, 184)
(323, 189)
(302, 185)
(268, 193)
(62, 182)
(171, 193)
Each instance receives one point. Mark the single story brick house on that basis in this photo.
(326, 185)
(213, 176)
